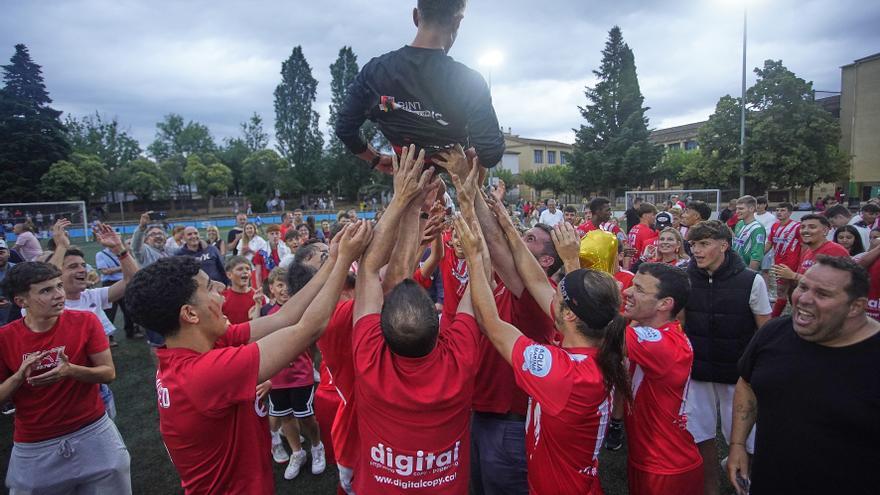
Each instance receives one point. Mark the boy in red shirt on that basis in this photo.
(663, 457)
(643, 233)
(238, 298)
(814, 236)
(785, 241)
(212, 420)
(51, 362)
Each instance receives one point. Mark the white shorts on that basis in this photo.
(705, 400)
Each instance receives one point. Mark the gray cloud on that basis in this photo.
(217, 62)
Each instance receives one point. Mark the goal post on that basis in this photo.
(44, 215)
(712, 197)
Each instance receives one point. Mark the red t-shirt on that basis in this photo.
(529, 315)
(260, 261)
(660, 367)
(423, 280)
(874, 291)
(300, 372)
(337, 357)
(495, 389)
(568, 415)
(808, 257)
(588, 227)
(67, 405)
(455, 277)
(641, 236)
(213, 425)
(414, 413)
(786, 241)
(237, 305)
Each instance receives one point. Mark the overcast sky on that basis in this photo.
(216, 62)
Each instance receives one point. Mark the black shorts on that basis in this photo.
(296, 401)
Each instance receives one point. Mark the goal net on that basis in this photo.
(43, 217)
(712, 197)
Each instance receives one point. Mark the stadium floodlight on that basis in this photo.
(43, 215)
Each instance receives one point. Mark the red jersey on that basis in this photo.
(529, 315)
(588, 226)
(414, 414)
(300, 372)
(640, 237)
(237, 305)
(495, 389)
(67, 405)
(568, 415)
(213, 425)
(786, 241)
(337, 357)
(808, 257)
(455, 277)
(660, 366)
(873, 309)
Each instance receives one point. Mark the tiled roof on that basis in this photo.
(677, 133)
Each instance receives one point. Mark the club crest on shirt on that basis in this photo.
(537, 360)
(49, 361)
(648, 334)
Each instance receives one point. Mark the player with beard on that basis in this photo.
(663, 458)
(785, 241)
(570, 386)
(212, 420)
(814, 236)
(809, 383)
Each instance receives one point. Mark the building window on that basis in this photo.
(539, 156)
(551, 157)
(674, 146)
(690, 145)
(564, 158)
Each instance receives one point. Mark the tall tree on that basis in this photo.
(719, 146)
(612, 150)
(253, 135)
(212, 180)
(143, 178)
(83, 177)
(174, 142)
(94, 135)
(31, 134)
(296, 123)
(347, 172)
(266, 172)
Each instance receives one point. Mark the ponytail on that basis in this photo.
(610, 358)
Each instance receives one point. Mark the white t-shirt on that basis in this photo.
(767, 219)
(96, 301)
(759, 299)
(551, 219)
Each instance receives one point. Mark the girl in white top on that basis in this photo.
(251, 242)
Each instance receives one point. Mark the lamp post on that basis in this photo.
(742, 118)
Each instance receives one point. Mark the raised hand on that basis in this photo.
(409, 179)
(107, 237)
(567, 242)
(432, 229)
(145, 219)
(502, 215)
(355, 240)
(59, 234)
(470, 236)
(455, 161)
(28, 363)
(467, 190)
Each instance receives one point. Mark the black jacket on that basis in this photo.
(719, 321)
(422, 96)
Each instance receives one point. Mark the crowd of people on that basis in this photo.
(463, 349)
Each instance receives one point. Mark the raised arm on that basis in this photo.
(408, 180)
(467, 191)
(433, 231)
(502, 335)
(533, 276)
(109, 238)
(62, 242)
(278, 349)
(567, 242)
(502, 259)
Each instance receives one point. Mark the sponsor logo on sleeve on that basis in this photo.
(537, 360)
(648, 334)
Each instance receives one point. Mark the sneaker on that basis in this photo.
(297, 460)
(614, 437)
(319, 463)
(279, 453)
(7, 409)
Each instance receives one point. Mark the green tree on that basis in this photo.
(31, 134)
(510, 179)
(143, 178)
(676, 165)
(211, 180)
(174, 142)
(612, 150)
(266, 171)
(253, 135)
(793, 142)
(63, 181)
(296, 123)
(233, 153)
(114, 147)
(541, 179)
(719, 146)
(346, 172)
